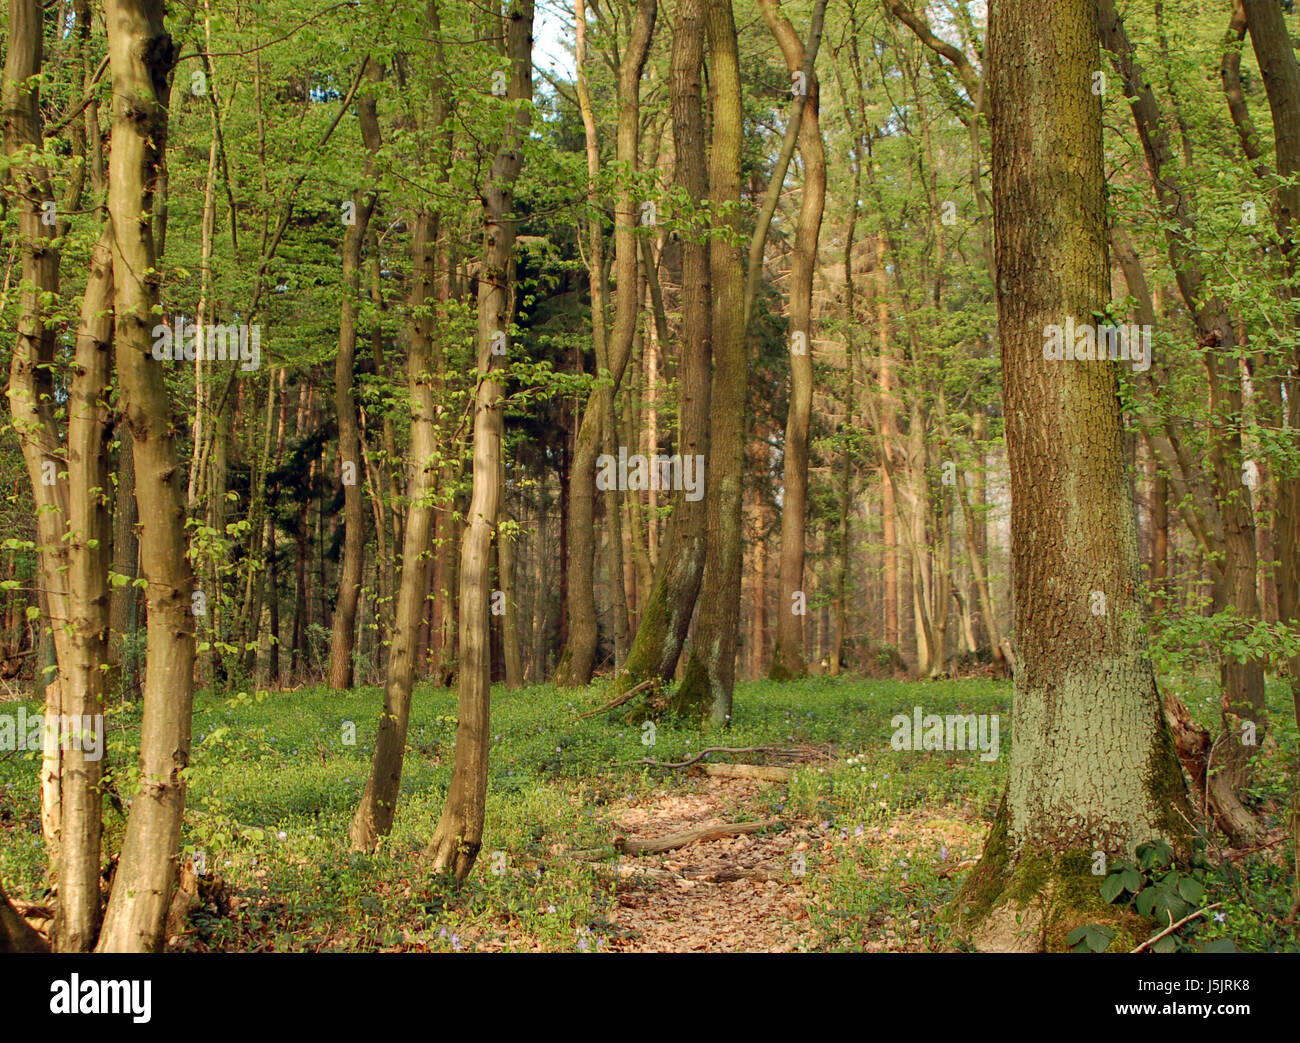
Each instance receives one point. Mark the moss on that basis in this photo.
(780, 672)
(694, 695)
(1054, 893)
(985, 883)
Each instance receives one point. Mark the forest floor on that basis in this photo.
(862, 845)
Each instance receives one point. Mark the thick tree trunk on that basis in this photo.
(710, 674)
(1092, 765)
(140, 56)
(456, 842)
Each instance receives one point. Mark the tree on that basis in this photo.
(378, 807)
(354, 536)
(710, 673)
(1092, 766)
(613, 347)
(456, 841)
(787, 659)
(666, 615)
(140, 58)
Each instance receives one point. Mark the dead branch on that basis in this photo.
(1174, 926)
(717, 749)
(632, 846)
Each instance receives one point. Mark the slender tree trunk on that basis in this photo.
(888, 434)
(77, 919)
(666, 614)
(1281, 72)
(345, 404)
(31, 388)
(788, 657)
(579, 656)
(374, 816)
(1242, 683)
(456, 842)
(124, 612)
(140, 57)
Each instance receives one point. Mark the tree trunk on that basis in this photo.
(345, 404)
(1242, 683)
(140, 56)
(77, 918)
(374, 816)
(1092, 766)
(124, 612)
(788, 656)
(666, 614)
(456, 842)
(1281, 72)
(710, 674)
(579, 656)
(31, 391)
(16, 934)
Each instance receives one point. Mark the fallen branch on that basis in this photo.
(715, 749)
(632, 846)
(749, 771)
(1174, 926)
(621, 699)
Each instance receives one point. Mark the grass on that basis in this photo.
(275, 778)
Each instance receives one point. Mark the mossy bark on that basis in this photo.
(1092, 762)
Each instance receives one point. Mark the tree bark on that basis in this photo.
(666, 614)
(354, 523)
(788, 656)
(710, 674)
(1093, 765)
(456, 842)
(140, 58)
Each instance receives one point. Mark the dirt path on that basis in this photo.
(737, 894)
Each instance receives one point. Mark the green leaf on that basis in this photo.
(1132, 880)
(1112, 887)
(1190, 888)
(1169, 943)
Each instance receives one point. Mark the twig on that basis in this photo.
(1174, 926)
